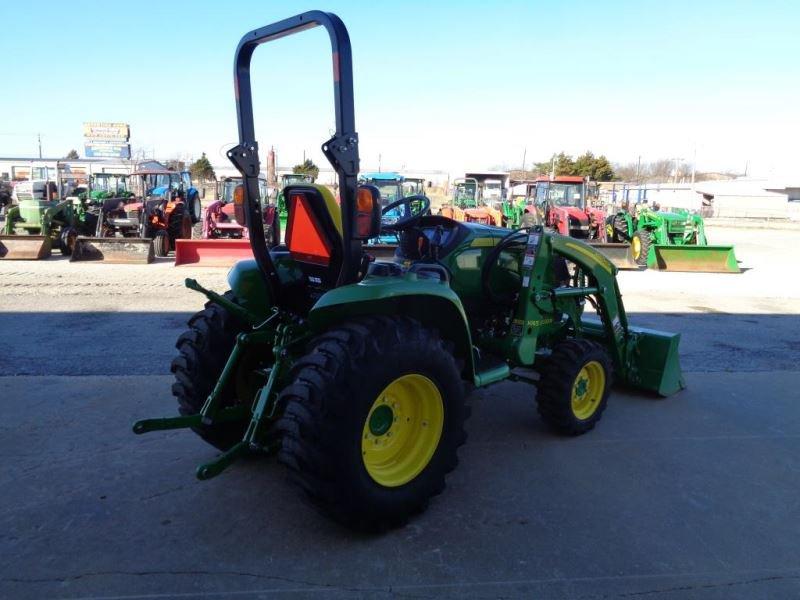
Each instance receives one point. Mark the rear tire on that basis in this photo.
(640, 246)
(160, 243)
(574, 386)
(195, 209)
(619, 229)
(343, 405)
(179, 225)
(203, 351)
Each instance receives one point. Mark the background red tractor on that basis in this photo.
(564, 204)
(218, 220)
(134, 229)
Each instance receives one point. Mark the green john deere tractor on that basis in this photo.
(669, 241)
(38, 222)
(354, 370)
(289, 179)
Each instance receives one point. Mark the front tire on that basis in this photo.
(574, 386)
(160, 243)
(203, 351)
(372, 421)
(66, 241)
(640, 246)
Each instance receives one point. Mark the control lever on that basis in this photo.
(436, 242)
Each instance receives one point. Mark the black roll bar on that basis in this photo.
(341, 150)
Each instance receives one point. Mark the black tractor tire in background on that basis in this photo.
(558, 377)
(195, 208)
(161, 242)
(197, 230)
(644, 246)
(203, 351)
(179, 225)
(66, 240)
(620, 228)
(327, 406)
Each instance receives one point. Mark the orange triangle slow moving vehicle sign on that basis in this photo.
(305, 239)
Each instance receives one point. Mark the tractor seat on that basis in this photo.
(314, 232)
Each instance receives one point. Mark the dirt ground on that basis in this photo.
(693, 496)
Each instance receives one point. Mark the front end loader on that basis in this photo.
(353, 370)
(221, 240)
(669, 241)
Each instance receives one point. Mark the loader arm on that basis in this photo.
(642, 358)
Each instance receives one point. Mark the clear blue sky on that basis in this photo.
(449, 85)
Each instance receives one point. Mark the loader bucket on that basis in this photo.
(619, 255)
(211, 253)
(25, 247)
(117, 250)
(653, 361)
(699, 259)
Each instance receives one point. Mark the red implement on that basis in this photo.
(222, 252)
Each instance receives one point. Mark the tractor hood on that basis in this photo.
(596, 215)
(573, 212)
(672, 216)
(159, 191)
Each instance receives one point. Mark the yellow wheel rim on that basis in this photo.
(637, 246)
(402, 430)
(587, 390)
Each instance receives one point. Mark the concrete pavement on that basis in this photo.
(688, 497)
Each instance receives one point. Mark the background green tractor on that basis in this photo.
(669, 240)
(89, 200)
(39, 221)
(288, 179)
(354, 370)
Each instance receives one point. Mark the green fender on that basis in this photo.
(431, 303)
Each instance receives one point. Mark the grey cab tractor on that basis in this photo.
(354, 371)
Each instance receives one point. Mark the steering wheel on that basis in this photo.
(417, 207)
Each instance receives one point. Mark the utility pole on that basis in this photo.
(638, 169)
(524, 156)
(39, 135)
(677, 160)
(379, 164)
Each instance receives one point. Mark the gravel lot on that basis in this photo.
(689, 497)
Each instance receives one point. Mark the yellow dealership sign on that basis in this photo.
(106, 131)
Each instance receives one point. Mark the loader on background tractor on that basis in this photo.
(39, 221)
(135, 229)
(354, 370)
(669, 240)
(221, 239)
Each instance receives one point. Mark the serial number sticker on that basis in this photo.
(526, 281)
(528, 260)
